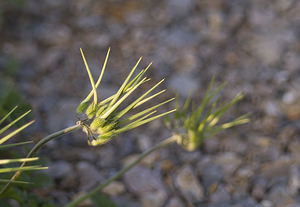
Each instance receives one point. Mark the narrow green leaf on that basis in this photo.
(118, 103)
(4, 139)
(7, 115)
(100, 76)
(134, 123)
(14, 145)
(220, 111)
(13, 122)
(90, 77)
(121, 89)
(134, 80)
(26, 168)
(187, 104)
(207, 99)
(149, 98)
(128, 108)
(4, 181)
(135, 116)
(137, 78)
(114, 95)
(7, 161)
(139, 123)
(208, 116)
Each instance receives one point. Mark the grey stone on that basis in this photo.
(229, 162)
(280, 196)
(188, 184)
(115, 188)
(106, 156)
(180, 7)
(267, 48)
(294, 180)
(175, 202)
(220, 195)
(156, 198)
(147, 184)
(248, 202)
(210, 173)
(60, 169)
(272, 109)
(88, 175)
(259, 188)
(183, 84)
(62, 114)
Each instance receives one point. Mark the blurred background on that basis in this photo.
(253, 45)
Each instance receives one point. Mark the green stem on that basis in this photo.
(161, 144)
(36, 147)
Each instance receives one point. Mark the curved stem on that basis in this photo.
(161, 144)
(36, 147)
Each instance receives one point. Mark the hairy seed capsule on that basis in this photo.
(103, 138)
(91, 111)
(100, 110)
(82, 107)
(97, 123)
(107, 128)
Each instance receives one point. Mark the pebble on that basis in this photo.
(220, 195)
(272, 109)
(88, 175)
(147, 184)
(290, 104)
(180, 7)
(114, 189)
(183, 84)
(188, 184)
(106, 156)
(267, 48)
(62, 115)
(60, 169)
(229, 162)
(210, 173)
(259, 188)
(247, 202)
(85, 203)
(175, 202)
(280, 196)
(156, 198)
(294, 180)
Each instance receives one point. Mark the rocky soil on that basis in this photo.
(253, 45)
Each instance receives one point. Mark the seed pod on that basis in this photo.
(100, 110)
(82, 107)
(108, 127)
(91, 111)
(97, 123)
(102, 139)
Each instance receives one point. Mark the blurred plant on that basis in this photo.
(195, 124)
(6, 164)
(26, 195)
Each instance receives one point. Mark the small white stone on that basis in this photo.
(114, 189)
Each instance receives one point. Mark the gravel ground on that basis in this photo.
(252, 44)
